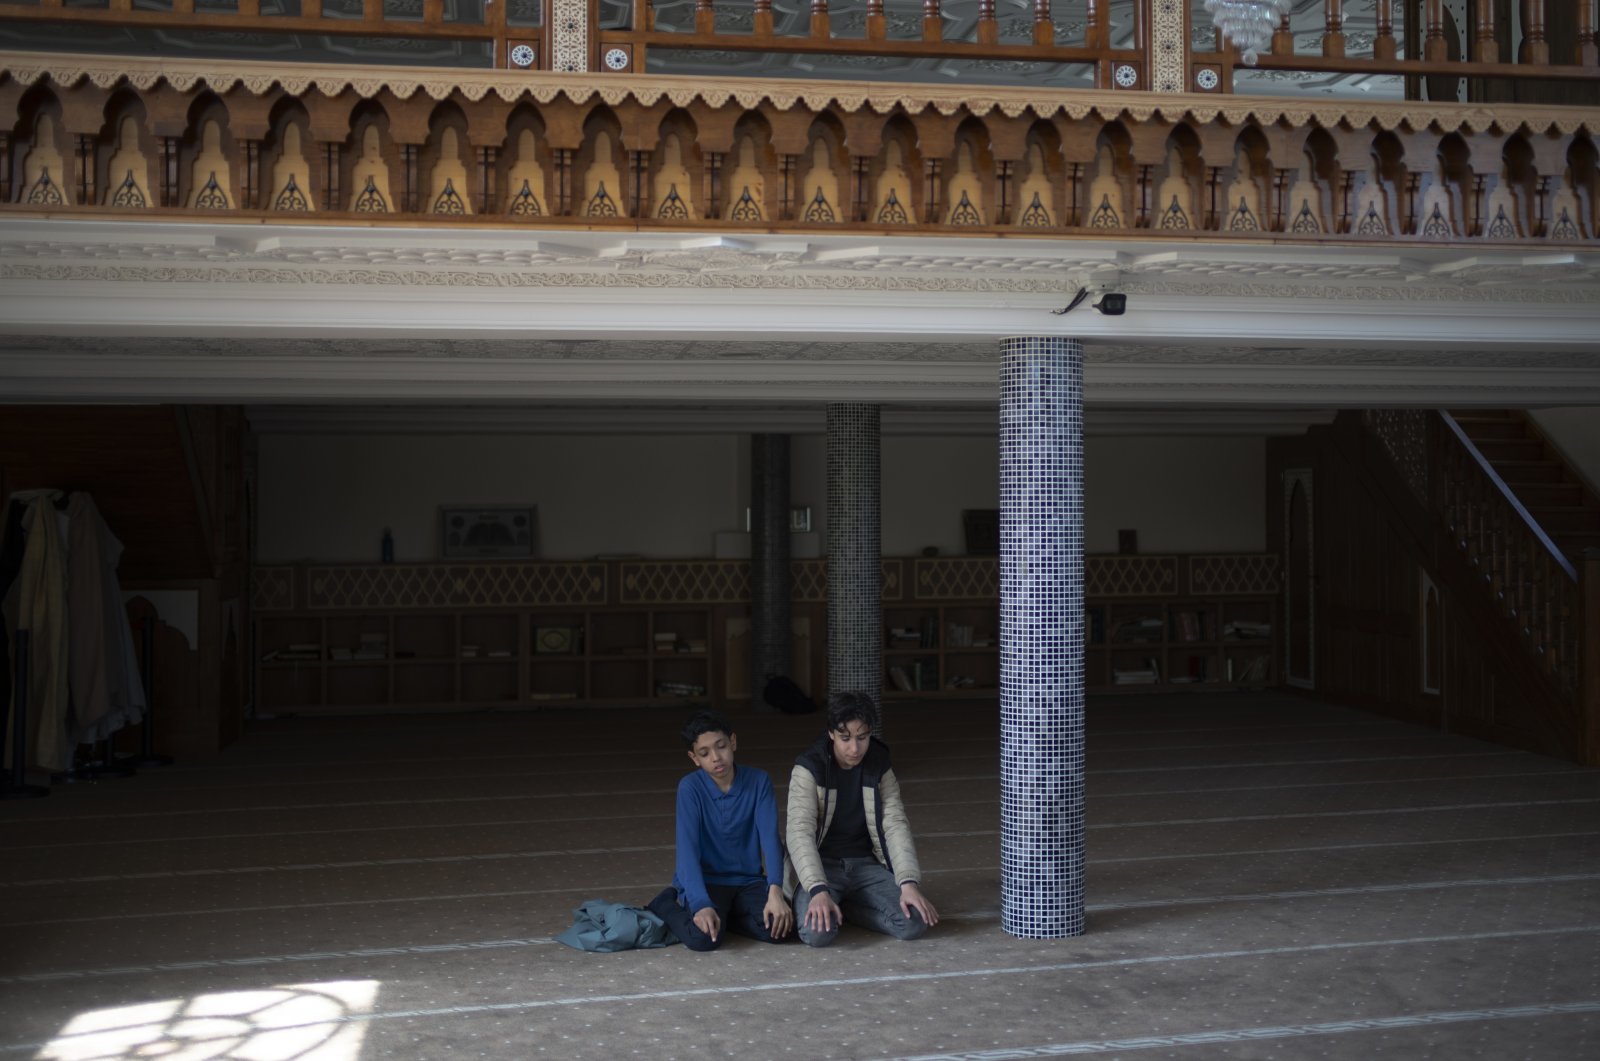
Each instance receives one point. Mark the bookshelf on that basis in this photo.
(1181, 623)
(1151, 624)
(486, 635)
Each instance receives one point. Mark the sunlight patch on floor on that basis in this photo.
(291, 1022)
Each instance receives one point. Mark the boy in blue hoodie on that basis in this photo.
(729, 873)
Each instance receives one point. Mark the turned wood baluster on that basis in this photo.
(705, 16)
(932, 24)
(988, 30)
(488, 186)
(1384, 45)
(1485, 49)
(877, 24)
(250, 194)
(330, 176)
(819, 19)
(1535, 50)
(1434, 47)
(1044, 30)
(1588, 50)
(171, 147)
(1282, 37)
(85, 165)
(762, 24)
(1333, 33)
(1094, 28)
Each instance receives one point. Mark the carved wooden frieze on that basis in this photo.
(320, 145)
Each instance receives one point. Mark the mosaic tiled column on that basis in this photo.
(769, 560)
(1041, 637)
(855, 566)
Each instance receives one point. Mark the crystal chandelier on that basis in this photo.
(1248, 24)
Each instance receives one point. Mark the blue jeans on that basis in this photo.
(869, 897)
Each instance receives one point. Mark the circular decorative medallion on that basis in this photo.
(1126, 75)
(522, 55)
(1207, 79)
(617, 59)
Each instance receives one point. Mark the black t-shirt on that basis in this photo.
(847, 834)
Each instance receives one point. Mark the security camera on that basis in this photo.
(1112, 305)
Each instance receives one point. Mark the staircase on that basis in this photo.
(1552, 493)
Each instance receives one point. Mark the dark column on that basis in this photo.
(1041, 637)
(769, 561)
(855, 563)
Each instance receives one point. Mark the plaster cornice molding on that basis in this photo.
(94, 378)
(258, 78)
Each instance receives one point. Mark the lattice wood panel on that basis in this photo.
(1130, 576)
(808, 581)
(1253, 574)
(272, 589)
(455, 585)
(957, 578)
(683, 582)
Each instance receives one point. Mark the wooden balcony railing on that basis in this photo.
(1153, 45)
(316, 143)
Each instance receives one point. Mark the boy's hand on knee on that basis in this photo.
(777, 915)
(823, 913)
(707, 921)
(911, 898)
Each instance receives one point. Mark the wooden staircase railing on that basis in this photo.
(1551, 604)
(1521, 567)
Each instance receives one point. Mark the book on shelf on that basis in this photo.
(1254, 671)
(901, 680)
(680, 689)
(294, 653)
(1145, 629)
(552, 696)
(1186, 625)
(1246, 630)
(1147, 674)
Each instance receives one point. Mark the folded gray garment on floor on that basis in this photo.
(599, 925)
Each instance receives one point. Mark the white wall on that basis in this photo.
(327, 498)
(1576, 433)
(1183, 495)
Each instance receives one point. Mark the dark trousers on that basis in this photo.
(738, 907)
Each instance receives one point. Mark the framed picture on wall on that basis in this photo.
(488, 531)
